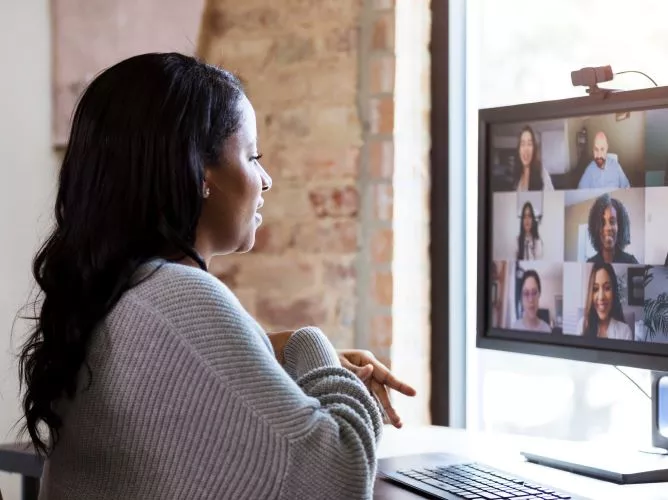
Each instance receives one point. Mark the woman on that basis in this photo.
(603, 316)
(529, 244)
(150, 378)
(610, 231)
(530, 290)
(530, 174)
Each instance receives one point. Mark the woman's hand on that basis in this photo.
(278, 341)
(377, 378)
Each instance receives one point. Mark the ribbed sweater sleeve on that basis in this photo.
(324, 414)
(188, 401)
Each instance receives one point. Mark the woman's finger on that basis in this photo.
(354, 359)
(381, 393)
(384, 376)
(363, 372)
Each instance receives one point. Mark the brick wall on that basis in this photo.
(301, 62)
(321, 75)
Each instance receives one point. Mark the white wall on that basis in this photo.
(410, 263)
(505, 226)
(656, 236)
(576, 280)
(27, 179)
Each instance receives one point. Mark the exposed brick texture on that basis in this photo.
(300, 61)
(321, 75)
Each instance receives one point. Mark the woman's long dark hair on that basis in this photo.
(591, 323)
(522, 236)
(535, 167)
(130, 189)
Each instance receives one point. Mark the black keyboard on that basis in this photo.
(474, 481)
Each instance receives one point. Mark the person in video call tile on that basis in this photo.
(530, 174)
(610, 231)
(529, 244)
(530, 291)
(603, 316)
(604, 171)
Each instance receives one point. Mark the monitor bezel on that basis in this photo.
(622, 353)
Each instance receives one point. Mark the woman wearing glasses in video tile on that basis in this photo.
(530, 174)
(530, 292)
(603, 315)
(610, 231)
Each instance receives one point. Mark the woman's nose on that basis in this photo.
(266, 179)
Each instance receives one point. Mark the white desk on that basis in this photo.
(502, 452)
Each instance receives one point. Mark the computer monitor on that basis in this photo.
(573, 234)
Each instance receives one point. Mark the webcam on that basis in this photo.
(591, 77)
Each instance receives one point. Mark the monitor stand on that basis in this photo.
(614, 464)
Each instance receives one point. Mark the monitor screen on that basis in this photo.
(574, 236)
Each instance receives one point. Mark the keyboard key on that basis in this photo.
(504, 494)
(530, 491)
(434, 483)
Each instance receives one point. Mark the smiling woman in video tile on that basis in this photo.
(610, 231)
(530, 174)
(603, 316)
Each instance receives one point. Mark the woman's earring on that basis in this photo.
(207, 191)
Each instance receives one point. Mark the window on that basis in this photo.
(521, 51)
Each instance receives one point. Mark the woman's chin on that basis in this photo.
(249, 241)
(247, 245)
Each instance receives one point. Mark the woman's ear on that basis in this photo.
(206, 184)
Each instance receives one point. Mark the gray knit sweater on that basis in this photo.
(187, 401)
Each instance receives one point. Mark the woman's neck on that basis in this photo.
(526, 174)
(603, 328)
(532, 322)
(187, 260)
(608, 255)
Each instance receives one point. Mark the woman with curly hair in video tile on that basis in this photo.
(610, 231)
(603, 316)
